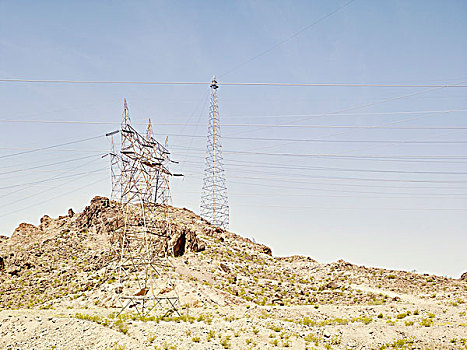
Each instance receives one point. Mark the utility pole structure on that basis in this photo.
(141, 186)
(214, 201)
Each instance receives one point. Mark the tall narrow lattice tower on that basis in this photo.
(214, 200)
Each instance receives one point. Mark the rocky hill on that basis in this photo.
(59, 289)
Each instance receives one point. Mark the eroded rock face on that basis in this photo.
(184, 240)
(100, 216)
(464, 277)
(178, 244)
(2, 264)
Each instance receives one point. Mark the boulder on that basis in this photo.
(344, 263)
(224, 267)
(263, 249)
(14, 270)
(464, 277)
(45, 221)
(331, 285)
(2, 264)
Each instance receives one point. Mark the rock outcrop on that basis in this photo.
(101, 216)
(73, 254)
(464, 277)
(184, 240)
(25, 230)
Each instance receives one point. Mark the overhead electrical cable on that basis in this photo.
(447, 159)
(52, 179)
(352, 169)
(54, 197)
(46, 165)
(445, 111)
(379, 195)
(324, 140)
(37, 193)
(264, 178)
(309, 126)
(351, 156)
(121, 82)
(49, 147)
(290, 37)
(385, 100)
(93, 122)
(25, 187)
(347, 208)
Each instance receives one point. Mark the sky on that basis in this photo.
(394, 196)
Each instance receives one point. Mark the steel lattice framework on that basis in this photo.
(214, 200)
(141, 184)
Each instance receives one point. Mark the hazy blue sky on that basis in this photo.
(379, 212)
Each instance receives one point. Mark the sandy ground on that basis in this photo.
(59, 290)
(410, 323)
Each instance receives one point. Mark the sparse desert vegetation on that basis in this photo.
(234, 294)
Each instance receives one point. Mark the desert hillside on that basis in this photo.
(59, 290)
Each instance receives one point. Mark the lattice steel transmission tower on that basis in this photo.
(214, 201)
(141, 185)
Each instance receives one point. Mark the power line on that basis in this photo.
(25, 187)
(317, 115)
(279, 43)
(352, 169)
(348, 85)
(51, 179)
(54, 197)
(388, 195)
(316, 126)
(46, 165)
(385, 100)
(347, 156)
(93, 122)
(49, 147)
(35, 184)
(265, 178)
(37, 193)
(447, 159)
(280, 84)
(302, 188)
(325, 140)
(346, 208)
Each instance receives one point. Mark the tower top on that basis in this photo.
(214, 83)
(149, 129)
(126, 114)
